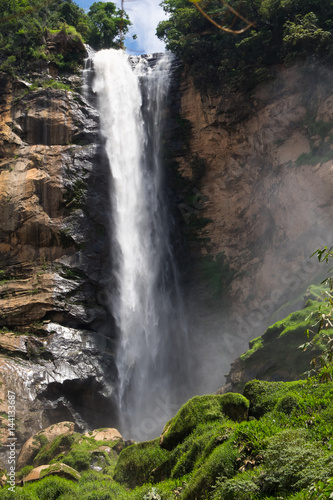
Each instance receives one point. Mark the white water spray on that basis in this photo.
(147, 304)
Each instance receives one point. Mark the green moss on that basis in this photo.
(297, 321)
(136, 463)
(60, 469)
(203, 409)
(53, 487)
(24, 472)
(222, 461)
(78, 460)
(254, 345)
(277, 352)
(54, 449)
(191, 453)
(280, 453)
(287, 397)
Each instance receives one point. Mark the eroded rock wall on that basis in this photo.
(56, 347)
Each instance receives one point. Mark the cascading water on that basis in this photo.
(147, 305)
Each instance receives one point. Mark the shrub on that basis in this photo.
(291, 461)
(241, 487)
(287, 403)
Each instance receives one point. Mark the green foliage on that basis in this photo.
(192, 452)
(78, 460)
(51, 488)
(321, 490)
(135, 463)
(304, 35)
(283, 29)
(75, 195)
(294, 462)
(106, 24)
(241, 487)
(322, 329)
(29, 23)
(278, 350)
(285, 452)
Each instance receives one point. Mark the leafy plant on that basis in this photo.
(322, 364)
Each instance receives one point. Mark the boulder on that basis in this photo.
(57, 469)
(201, 410)
(31, 447)
(106, 434)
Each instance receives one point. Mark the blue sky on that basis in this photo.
(145, 15)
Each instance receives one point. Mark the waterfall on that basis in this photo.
(147, 303)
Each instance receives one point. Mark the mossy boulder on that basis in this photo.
(55, 449)
(57, 469)
(200, 410)
(81, 452)
(137, 463)
(37, 441)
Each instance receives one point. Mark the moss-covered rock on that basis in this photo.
(275, 356)
(59, 446)
(136, 464)
(221, 462)
(57, 469)
(31, 447)
(203, 409)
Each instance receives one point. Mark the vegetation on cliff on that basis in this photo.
(33, 32)
(283, 29)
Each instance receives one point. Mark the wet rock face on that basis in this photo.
(56, 334)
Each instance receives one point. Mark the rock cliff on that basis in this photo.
(54, 353)
(263, 195)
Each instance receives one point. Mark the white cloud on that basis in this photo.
(144, 15)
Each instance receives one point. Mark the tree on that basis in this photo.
(108, 25)
(25, 26)
(282, 28)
